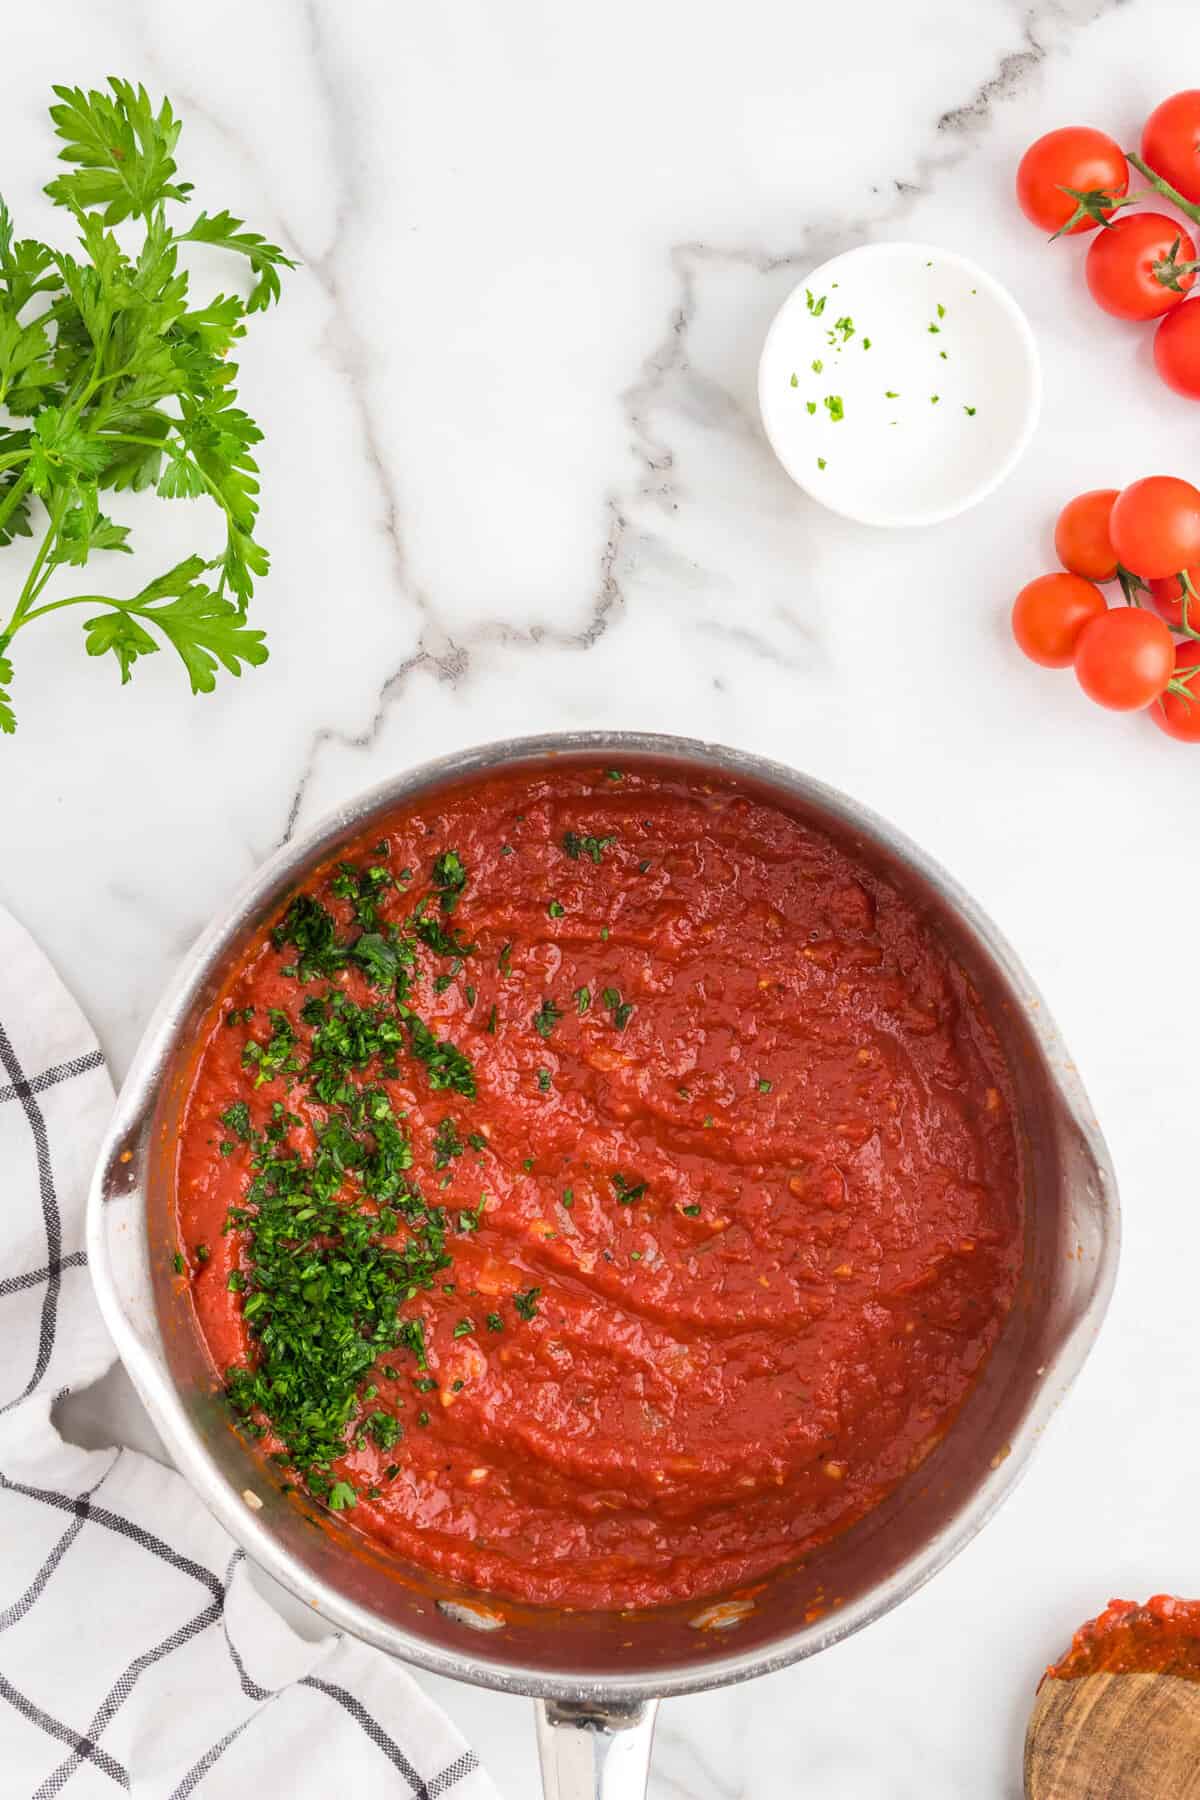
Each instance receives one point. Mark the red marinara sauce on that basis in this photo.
(743, 1207)
(1160, 1638)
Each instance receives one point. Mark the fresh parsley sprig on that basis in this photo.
(113, 379)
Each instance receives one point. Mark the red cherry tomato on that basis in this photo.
(1125, 659)
(1171, 142)
(1166, 595)
(1049, 614)
(1178, 717)
(1081, 535)
(1075, 157)
(1128, 266)
(1177, 350)
(1155, 526)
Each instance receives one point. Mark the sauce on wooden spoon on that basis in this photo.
(1118, 1717)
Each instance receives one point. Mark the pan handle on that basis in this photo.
(595, 1751)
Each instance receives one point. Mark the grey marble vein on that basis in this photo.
(448, 657)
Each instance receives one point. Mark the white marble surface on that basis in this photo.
(514, 481)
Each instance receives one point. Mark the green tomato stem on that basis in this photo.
(1187, 593)
(1188, 207)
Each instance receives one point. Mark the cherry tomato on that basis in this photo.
(1166, 594)
(1049, 614)
(1081, 535)
(1074, 157)
(1125, 659)
(1171, 142)
(1122, 261)
(1177, 350)
(1173, 714)
(1155, 526)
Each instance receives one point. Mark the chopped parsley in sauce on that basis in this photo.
(593, 847)
(620, 1011)
(450, 878)
(546, 1018)
(526, 1302)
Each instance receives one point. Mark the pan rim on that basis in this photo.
(289, 862)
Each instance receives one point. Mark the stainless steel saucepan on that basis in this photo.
(597, 1677)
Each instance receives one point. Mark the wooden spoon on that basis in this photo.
(1114, 1737)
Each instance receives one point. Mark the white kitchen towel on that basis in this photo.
(135, 1652)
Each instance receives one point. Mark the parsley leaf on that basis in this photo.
(121, 149)
(237, 1119)
(265, 259)
(576, 846)
(450, 877)
(445, 1065)
(546, 1018)
(447, 1144)
(620, 1010)
(204, 629)
(310, 927)
(84, 529)
(121, 382)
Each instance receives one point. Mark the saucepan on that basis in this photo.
(597, 1677)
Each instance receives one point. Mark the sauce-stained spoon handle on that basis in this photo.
(595, 1751)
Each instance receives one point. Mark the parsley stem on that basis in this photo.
(32, 585)
(16, 492)
(37, 612)
(76, 406)
(100, 381)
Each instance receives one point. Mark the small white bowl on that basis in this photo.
(899, 384)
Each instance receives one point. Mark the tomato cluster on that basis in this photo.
(1140, 265)
(1147, 537)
